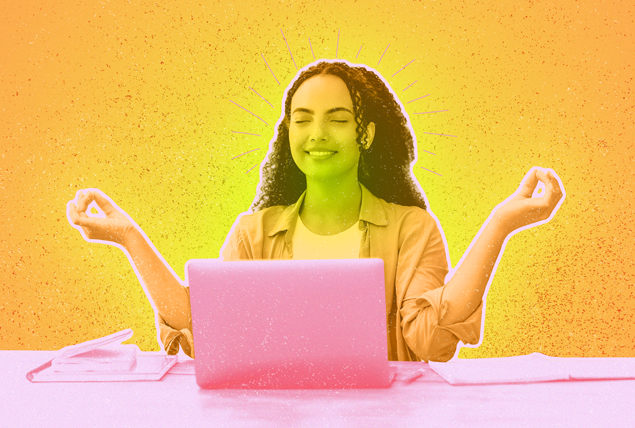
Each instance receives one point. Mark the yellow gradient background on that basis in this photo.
(135, 98)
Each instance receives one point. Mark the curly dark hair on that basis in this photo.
(384, 168)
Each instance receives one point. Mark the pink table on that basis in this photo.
(176, 401)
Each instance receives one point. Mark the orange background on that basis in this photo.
(133, 98)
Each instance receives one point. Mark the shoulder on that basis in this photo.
(262, 215)
(248, 237)
(415, 231)
(263, 220)
(379, 212)
(410, 225)
(406, 215)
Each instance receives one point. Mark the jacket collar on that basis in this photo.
(372, 211)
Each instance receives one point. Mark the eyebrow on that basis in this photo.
(333, 110)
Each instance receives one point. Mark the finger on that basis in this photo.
(549, 190)
(71, 210)
(541, 174)
(94, 195)
(78, 196)
(76, 218)
(81, 219)
(90, 223)
(85, 199)
(82, 203)
(555, 188)
(530, 181)
(103, 202)
(553, 193)
(551, 174)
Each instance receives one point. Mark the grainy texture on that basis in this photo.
(134, 99)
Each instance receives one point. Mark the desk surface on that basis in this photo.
(176, 400)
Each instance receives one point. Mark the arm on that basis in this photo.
(464, 292)
(423, 261)
(164, 289)
(436, 316)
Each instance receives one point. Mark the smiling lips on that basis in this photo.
(321, 154)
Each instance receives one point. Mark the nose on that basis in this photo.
(319, 132)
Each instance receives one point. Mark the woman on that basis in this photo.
(338, 183)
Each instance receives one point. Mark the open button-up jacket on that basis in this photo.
(415, 265)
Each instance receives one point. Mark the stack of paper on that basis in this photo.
(104, 360)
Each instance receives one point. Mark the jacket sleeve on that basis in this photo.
(423, 265)
(172, 339)
(235, 247)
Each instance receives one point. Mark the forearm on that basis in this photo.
(165, 289)
(464, 292)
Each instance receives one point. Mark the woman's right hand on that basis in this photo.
(115, 227)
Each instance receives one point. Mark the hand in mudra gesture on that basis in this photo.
(523, 209)
(113, 226)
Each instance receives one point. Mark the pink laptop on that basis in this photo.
(289, 324)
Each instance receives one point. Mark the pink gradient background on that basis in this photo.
(139, 100)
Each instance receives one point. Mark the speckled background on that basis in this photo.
(137, 99)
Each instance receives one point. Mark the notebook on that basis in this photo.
(289, 324)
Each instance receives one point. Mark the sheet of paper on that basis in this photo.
(110, 358)
(523, 369)
(80, 348)
(534, 367)
(597, 368)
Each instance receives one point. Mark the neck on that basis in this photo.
(331, 207)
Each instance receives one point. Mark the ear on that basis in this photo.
(370, 135)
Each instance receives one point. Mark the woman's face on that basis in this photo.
(322, 131)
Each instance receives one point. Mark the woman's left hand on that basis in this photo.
(522, 209)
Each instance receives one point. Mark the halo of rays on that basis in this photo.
(336, 57)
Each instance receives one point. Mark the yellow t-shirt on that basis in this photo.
(309, 246)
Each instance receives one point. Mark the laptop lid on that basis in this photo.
(287, 324)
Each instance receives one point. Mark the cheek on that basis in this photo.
(297, 140)
(293, 136)
(296, 147)
(294, 142)
(346, 135)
